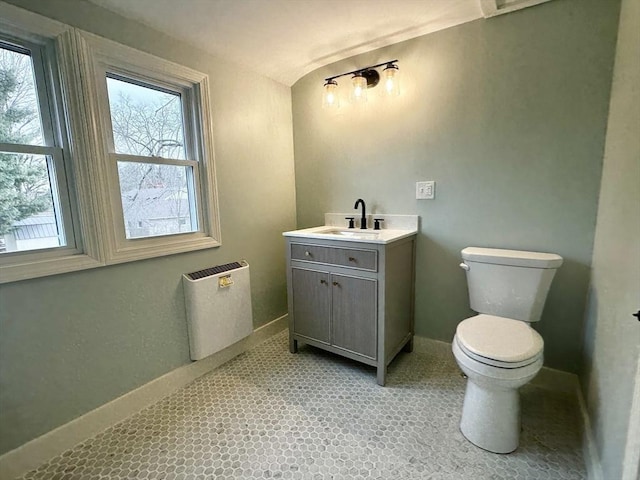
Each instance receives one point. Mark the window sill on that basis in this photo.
(152, 248)
(72, 263)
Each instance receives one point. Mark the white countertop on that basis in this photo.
(329, 232)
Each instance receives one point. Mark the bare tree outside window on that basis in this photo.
(156, 196)
(142, 185)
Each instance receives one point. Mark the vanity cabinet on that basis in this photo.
(352, 298)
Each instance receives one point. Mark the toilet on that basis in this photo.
(497, 349)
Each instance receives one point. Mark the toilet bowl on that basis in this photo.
(498, 350)
(495, 369)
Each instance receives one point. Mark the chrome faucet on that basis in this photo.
(363, 219)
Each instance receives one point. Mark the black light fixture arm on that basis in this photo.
(360, 70)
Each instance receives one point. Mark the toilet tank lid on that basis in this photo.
(516, 258)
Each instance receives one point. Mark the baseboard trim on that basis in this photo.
(589, 450)
(34, 453)
(424, 344)
(548, 378)
(556, 380)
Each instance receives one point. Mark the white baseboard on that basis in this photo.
(429, 344)
(39, 450)
(589, 450)
(556, 380)
(550, 379)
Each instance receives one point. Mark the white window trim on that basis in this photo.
(92, 184)
(21, 23)
(107, 55)
(492, 8)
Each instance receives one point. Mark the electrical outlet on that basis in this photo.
(426, 190)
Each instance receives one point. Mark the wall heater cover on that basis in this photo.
(218, 305)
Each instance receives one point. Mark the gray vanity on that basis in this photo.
(351, 291)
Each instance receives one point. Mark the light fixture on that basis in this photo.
(330, 95)
(391, 80)
(362, 79)
(359, 90)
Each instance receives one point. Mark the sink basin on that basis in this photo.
(349, 233)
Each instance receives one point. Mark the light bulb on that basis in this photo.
(330, 95)
(391, 81)
(359, 91)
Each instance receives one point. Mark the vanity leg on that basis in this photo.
(293, 344)
(382, 375)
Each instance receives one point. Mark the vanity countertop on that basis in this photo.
(330, 232)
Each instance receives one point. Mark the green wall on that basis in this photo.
(611, 358)
(508, 116)
(70, 343)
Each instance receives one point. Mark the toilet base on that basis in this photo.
(491, 418)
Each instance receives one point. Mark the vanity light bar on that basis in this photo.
(362, 79)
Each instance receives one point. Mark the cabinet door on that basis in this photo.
(311, 304)
(354, 314)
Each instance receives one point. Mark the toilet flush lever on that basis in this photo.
(464, 266)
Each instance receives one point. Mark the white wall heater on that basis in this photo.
(218, 304)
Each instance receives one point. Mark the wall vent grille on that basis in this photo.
(209, 272)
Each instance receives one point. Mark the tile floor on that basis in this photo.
(313, 415)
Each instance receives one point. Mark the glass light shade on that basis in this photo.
(330, 95)
(359, 90)
(391, 80)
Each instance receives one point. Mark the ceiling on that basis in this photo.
(286, 39)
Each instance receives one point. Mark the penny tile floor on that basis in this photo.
(313, 415)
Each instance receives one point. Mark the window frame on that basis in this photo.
(54, 148)
(93, 189)
(188, 109)
(49, 40)
(109, 57)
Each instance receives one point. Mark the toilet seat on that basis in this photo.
(498, 341)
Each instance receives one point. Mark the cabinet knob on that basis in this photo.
(323, 281)
(307, 253)
(336, 284)
(352, 259)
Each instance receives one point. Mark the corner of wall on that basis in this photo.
(589, 450)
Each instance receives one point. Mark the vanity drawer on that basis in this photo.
(344, 257)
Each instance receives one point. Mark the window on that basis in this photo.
(40, 225)
(157, 187)
(105, 152)
(155, 135)
(35, 212)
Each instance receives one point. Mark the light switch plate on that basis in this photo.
(426, 190)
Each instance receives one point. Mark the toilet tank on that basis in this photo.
(509, 283)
